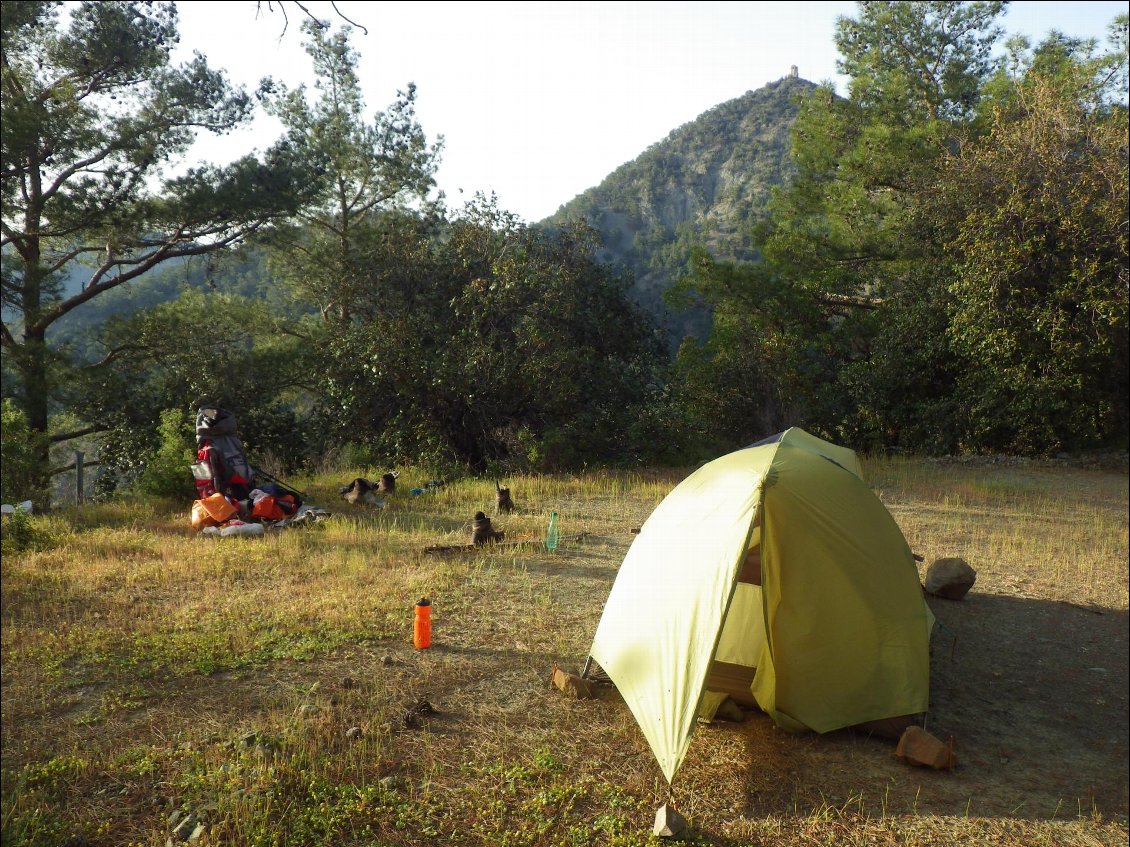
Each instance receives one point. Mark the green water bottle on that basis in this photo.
(551, 533)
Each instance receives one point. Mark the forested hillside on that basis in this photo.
(933, 261)
(708, 183)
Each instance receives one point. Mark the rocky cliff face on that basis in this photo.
(708, 182)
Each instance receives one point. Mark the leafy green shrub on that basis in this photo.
(167, 473)
(17, 533)
(353, 455)
(20, 449)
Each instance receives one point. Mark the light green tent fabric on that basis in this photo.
(837, 632)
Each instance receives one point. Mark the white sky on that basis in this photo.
(540, 101)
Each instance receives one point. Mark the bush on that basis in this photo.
(167, 473)
(20, 451)
(18, 533)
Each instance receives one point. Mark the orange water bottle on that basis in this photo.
(422, 631)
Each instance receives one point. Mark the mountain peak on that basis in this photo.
(707, 182)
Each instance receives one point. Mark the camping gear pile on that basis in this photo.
(773, 576)
(231, 499)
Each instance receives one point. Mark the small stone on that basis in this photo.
(573, 685)
(730, 711)
(353, 733)
(949, 578)
(185, 827)
(668, 822)
(918, 747)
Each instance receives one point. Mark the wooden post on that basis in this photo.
(78, 477)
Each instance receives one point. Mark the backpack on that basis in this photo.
(221, 463)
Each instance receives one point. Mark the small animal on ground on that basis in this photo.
(503, 503)
(358, 491)
(387, 484)
(482, 531)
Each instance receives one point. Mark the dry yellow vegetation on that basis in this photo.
(264, 685)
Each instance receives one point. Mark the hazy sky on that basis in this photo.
(540, 101)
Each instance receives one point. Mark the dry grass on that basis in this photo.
(146, 669)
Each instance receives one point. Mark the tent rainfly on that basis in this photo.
(775, 576)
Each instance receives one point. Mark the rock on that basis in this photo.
(730, 711)
(573, 685)
(918, 747)
(949, 578)
(185, 827)
(353, 733)
(668, 822)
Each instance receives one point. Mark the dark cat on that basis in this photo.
(482, 531)
(502, 503)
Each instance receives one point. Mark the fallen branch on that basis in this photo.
(470, 548)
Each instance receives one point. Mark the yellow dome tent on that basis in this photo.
(775, 576)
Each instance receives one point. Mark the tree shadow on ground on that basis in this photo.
(1034, 694)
